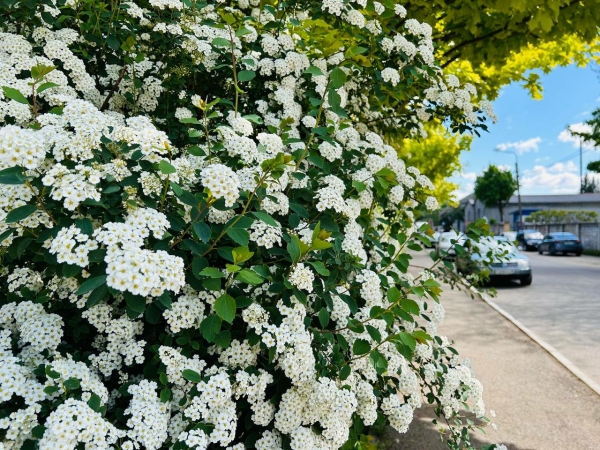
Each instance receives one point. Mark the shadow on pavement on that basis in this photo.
(423, 435)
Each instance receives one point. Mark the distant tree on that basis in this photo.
(494, 188)
(449, 215)
(594, 166)
(589, 185)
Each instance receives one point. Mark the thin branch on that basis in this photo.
(113, 89)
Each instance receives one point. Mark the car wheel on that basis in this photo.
(540, 251)
(578, 254)
(526, 281)
(552, 251)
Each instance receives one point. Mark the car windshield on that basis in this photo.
(565, 237)
(533, 235)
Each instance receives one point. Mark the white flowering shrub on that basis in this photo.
(203, 231)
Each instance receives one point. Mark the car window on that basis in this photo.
(548, 238)
(533, 235)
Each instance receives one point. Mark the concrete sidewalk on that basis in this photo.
(539, 404)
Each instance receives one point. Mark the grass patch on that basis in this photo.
(591, 252)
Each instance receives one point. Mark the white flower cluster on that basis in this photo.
(302, 277)
(149, 416)
(131, 268)
(41, 330)
(21, 147)
(265, 235)
(222, 182)
(71, 246)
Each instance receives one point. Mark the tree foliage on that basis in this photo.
(495, 187)
(562, 216)
(437, 157)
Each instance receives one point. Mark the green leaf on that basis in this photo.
(191, 375)
(334, 99)
(241, 255)
(421, 336)
(246, 75)
(94, 402)
(249, 276)
(225, 307)
(212, 272)
(324, 317)
(221, 42)
(242, 31)
(165, 394)
(231, 268)
(51, 389)
(410, 306)
(320, 268)
(265, 218)
(91, 284)
(20, 213)
(378, 361)
(293, 249)
(165, 300)
(393, 294)
(113, 43)
(52, 373)
(202, 230)
(42, 87)
(223, 339)
(72, 384)
(239, 236)
(374, 333)
(253, 118)
(209, 327)
(345, 372)
(319, 244)
(314, 70)
(96, 296)
(337, 78)
(136, 303)
(408, 340)
(15, 94)
(165, 167)
(361, 347)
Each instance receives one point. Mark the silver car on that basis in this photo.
(502, 259)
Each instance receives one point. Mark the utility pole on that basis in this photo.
(580, 167)
(520, 224)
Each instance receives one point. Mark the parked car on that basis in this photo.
(502, 259)
(561, 242)
(446, 242)
(510, 235)
(529, 239)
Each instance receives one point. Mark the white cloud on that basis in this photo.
(505, 167)
(466, 184)
(560, 178)
(580, 127)
(521, 147)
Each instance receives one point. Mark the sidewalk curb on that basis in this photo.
(551, 350)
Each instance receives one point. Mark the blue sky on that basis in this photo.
(548, 160)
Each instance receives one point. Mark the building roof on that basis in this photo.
(551, 198)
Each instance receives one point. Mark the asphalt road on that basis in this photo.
(562, 306)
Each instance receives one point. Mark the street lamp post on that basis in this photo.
(520, 224)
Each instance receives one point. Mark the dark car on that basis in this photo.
(529, 239)
(562, 242)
